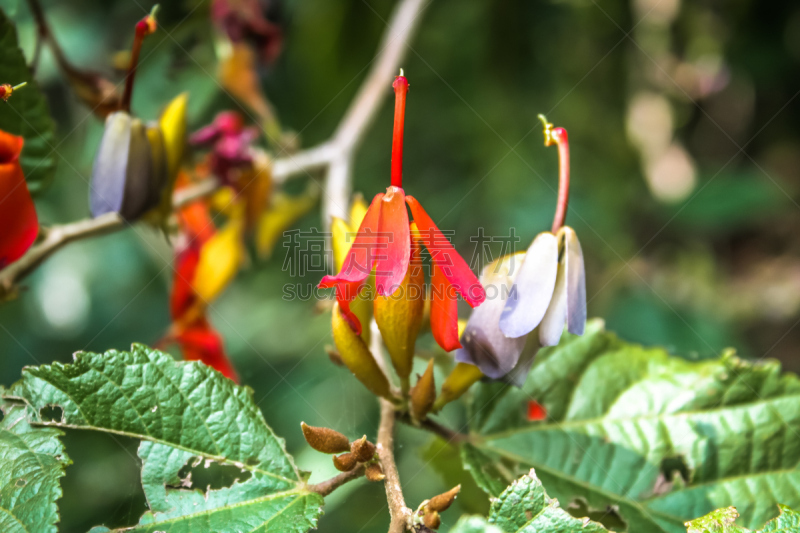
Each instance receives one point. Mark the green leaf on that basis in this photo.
(184, 413)
(525, 507)
(723, 521)
(32, 461)
(626, 423)
(26, 113)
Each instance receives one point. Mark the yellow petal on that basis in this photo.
(238, 76)
(342, 237)
(173, 127)
(358, 210)
(219, 261)
(460, 379)
(285, 211)
(256, 186)
(357, 357)
(399, 316)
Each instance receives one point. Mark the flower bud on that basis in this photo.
(125, 177)
(423, 394)
(345, 462)
(432, 520)
(325, 440)
(374, 472)
(443, 501)
(172, 126)
(363, 449)
(399, 315)
(460, 379)
(357, 357)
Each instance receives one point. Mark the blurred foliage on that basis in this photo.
(717, 269)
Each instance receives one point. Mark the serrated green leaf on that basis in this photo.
(32, 461)
(524, 507)
(183, 412)
(723, 521)
(619, 414)
(26, 113)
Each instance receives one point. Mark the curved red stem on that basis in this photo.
(400, 86)
(559, 135)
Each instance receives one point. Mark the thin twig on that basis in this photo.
(328, 486)
(362, 110)
(394, 492)
(450, 435)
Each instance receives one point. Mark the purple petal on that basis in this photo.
(530, 296)
(484, 345)
(576, 282)
(107, 188)
(552, 325)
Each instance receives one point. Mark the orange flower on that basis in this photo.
(19, 224)
(383, 244)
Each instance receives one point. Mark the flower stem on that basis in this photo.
(400, 86)
(144, 27)
(559, 136)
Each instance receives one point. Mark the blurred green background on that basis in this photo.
(685, 138)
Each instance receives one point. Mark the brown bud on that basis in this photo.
(325, 440)
(374, 472)
(442, 501)
(432, 520)
(334, 355)
(363, 449)
(423, 394)
(345, 462)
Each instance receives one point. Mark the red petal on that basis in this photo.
(357, 264)
(183, 296)
(19, 224)
(444, 311)
(346, 292)
(394, 252)
(201, 342)
(195, 220)
(453, 266)
(536, 411)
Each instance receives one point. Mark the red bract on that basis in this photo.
(383, 244)
(230, 142)
(201, 342)
(19, 224)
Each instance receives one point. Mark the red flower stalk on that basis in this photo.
(144, 27)
(383, 244)
(19, 224)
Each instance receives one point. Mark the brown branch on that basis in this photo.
(394, 492)
(328, 486)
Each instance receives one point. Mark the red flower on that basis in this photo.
(383, 244)
(19, 224)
